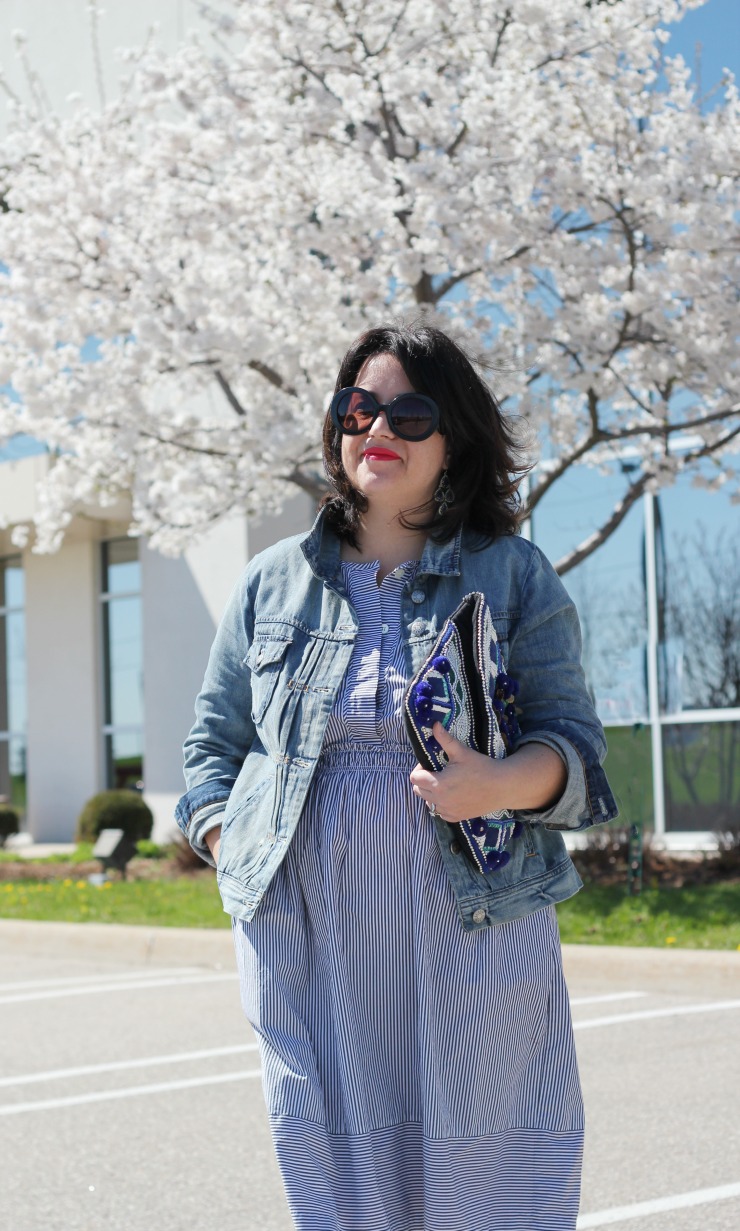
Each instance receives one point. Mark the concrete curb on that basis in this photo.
(710, 971)
(117, 942)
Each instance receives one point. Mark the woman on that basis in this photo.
(412, 1017)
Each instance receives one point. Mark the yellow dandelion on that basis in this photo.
(82, 884)
(670, 940)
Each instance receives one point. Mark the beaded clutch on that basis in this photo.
(463, 684)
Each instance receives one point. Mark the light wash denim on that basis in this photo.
(274, 670)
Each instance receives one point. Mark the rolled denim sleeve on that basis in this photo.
(223, 731)
(554, 703)
(204, 820)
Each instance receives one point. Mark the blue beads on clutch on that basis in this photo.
(442, 664)
(496, 860)
(503, 703)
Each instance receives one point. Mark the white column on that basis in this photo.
(182, 602)
(64, 693)
(656, 734)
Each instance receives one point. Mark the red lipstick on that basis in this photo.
(380, 455)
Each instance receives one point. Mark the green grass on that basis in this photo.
(81, 854)
(696, 917)
(700, 917)
(183, 903)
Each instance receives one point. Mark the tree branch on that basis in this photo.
(426, 292)
(272, 376)
(231, 397)
(311, 484)
(564, 464)
(620, 511)
(505, 23)
(452, 148)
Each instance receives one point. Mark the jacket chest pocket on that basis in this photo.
(264, 660)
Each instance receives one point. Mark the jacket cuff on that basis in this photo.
(200, 809)
(571, 810)
(204, 820)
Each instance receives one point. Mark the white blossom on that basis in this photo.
(185, 267)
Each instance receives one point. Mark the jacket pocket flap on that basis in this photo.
(265, 653)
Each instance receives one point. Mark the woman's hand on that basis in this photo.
(466, 787)
(213, 841)
(473, 784)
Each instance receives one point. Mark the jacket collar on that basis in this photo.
(321, 547)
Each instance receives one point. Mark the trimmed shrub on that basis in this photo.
(124, 810)
(9, 822)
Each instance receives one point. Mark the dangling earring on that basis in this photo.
(444, 495)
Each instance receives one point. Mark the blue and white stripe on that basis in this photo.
(417, 1077)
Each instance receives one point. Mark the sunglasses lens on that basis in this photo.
(412, 418)
(355, 412)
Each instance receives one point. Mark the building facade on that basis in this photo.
(103, 646)
(659, 605)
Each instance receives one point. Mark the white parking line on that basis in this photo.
(643, 1209)
(676, 1011)
(605, 999)
(108, 986)
(114, 1066)
(75, 980)
(102, 1096)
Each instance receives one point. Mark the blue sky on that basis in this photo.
(716, 26)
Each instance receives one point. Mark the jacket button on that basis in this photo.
(418, 596)
(454, 848)
(417, 628)
(479, 916)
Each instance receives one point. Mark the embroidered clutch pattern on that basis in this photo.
(464, 685)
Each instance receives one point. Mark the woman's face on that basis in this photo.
(394, 474)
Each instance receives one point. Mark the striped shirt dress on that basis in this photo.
(417, 1077)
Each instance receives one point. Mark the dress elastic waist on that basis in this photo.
(366, 756)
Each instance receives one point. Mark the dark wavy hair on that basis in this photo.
(484, 466)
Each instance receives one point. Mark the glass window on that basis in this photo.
(607, 587)
(123, 664)
(13, 701)
(124, 762)
(629, 768)
(698, 599)
(121, 568)
(122, 623)
(701, 766)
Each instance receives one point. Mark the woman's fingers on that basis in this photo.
(423, 778)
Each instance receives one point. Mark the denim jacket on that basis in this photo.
(275, 668)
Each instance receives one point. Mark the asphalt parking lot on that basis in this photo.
(130, 1095)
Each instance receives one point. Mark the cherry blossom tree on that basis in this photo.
(184, 268)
